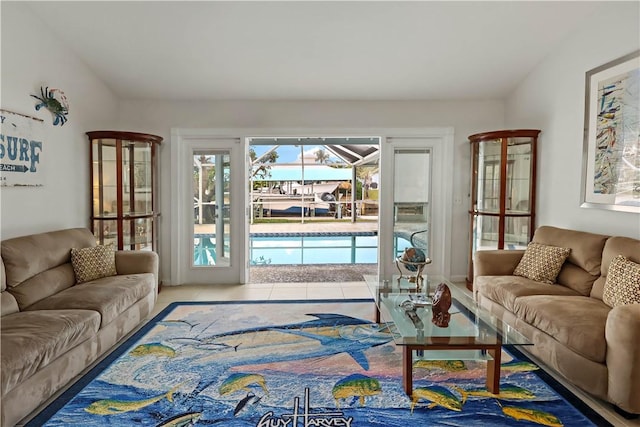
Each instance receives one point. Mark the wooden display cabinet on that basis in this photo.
(124, 189)
(503, 191)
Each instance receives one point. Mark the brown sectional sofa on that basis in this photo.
(596, 347)
(52, 328)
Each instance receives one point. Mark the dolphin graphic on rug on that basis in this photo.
(532, 415)
(446, 365)
(516, 365)
(439, 396)
(111, 406)
(153, 349)
(507, 392)
(240, 381)
(357, 386)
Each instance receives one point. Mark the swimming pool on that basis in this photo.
(316, 248)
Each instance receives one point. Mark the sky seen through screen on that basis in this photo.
(291, 153)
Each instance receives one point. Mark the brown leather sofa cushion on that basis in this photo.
(586, 248)
(586, 253)
(577, 322)
(109, 296)
(43, 285)
(505, 289)
(31, 340)
(39, 265)
(8, 304)
(26, 256)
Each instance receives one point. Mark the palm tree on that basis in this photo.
(263, 170)
(364, 173)
(322, 156)
(208, 171)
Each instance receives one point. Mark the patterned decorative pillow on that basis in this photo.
(93, 263)
(623, 282)
(542, 263)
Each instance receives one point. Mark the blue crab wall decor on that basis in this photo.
(55, 101)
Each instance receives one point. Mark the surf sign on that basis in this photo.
(20, 149)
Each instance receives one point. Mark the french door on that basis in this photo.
(208, 211)
(416, 200)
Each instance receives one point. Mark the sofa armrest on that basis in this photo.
(134, 262)
(622, 333)
(496, 262)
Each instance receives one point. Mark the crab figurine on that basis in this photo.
(55, 101)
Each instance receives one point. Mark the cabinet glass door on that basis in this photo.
(138, 201)
(518, 193)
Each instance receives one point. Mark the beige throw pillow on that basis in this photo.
(542, 263)
(93, 263)
(623, 282)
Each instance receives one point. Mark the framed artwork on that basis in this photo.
(611, 153)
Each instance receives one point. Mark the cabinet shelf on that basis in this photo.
(123, 189)
(503, 190)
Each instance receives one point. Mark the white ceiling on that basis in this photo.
(305, 50)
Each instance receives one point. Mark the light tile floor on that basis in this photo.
(261, 291)
(345, 290)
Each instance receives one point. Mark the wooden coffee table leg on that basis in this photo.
(493, 370)
(407, 369)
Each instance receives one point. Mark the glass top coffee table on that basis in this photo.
(472, 333)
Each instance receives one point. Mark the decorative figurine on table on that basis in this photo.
(440, 306)
(414, 260)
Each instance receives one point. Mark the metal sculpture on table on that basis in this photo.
(413, 259)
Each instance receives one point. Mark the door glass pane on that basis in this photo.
(211, 208)
(105, 180)
(485, 232)
(136, 178)
(412, 191)
(519, 175)
(488, 189)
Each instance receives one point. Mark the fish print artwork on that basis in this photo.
(267, 364)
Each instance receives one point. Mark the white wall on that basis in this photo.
(466, 117)
(552, 99)
(32, 57)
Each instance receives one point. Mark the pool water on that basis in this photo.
(316, 249)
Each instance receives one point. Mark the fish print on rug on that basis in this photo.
(296, 364)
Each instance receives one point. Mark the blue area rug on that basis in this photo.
(303, 363)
